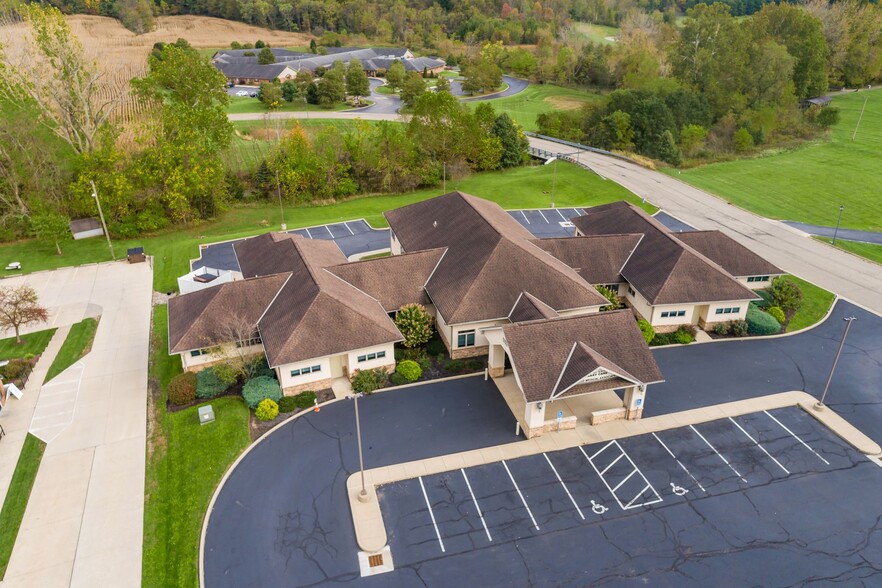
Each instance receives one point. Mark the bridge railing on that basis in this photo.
(571, 144)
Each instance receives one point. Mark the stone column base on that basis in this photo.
(497, 372)
(635, 414)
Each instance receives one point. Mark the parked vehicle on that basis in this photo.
(241, 93)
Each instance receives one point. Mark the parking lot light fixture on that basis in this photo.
(103, 224)
(836, 230)
(363, 496)
(848, 320)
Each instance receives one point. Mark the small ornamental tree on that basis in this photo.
(51, 227)
(395, 76)
(415, 325)
(785, 293)
(357, 83)
(266, 57)
(412, 88)
(611, 296)
(443, 84)
(271, 96)
(20, 307)
(647, 330)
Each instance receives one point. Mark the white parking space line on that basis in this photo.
(583, 212)
(795, 436)
(598, 452)
(529, 512)
(328, 228)
(755, 442)
(645, 488)
(308, 234)
(543, 216)
(680, 463)
(351, 232)
(567, 490)
(524, 214)
(635, 470)
(478, 508)
(431, 514)
(725, 461)
(565, 219)
(611, 464)
(628, 477)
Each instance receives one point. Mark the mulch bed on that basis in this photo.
(258, 428)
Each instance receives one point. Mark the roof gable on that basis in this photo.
(728, 253)
(587, 365)
(529, 308)
(599, 259)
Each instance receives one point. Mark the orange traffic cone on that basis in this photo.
(317, 408)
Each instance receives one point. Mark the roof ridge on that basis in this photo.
(543, 255)
(214, 294)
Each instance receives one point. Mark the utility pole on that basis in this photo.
(281, 209)
(836, 231)
(854, 134)
(553, 180)
(362, 495)
(103, 224)
(848, 320)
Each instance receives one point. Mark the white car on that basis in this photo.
(241, 93)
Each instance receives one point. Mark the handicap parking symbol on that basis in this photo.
(678, 490)
(598, 509)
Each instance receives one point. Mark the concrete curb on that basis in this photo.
(367, 517)
(226, 476)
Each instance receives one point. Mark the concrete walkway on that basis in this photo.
(16, 416)
(84, 521)
(370, 530)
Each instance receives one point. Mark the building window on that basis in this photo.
(198, 352)
(758, 278)
(371, 356)
(672, 313)
(465, 339)
(306, 370)
(731, 310)
(631, 291)
(613, 288)
(249, 342)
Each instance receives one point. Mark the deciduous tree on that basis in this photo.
(413, 88)
(415, 325)
(19, 307)
(357, 83)
(395, 75)
(52, 227)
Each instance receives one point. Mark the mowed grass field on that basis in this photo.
(522, 187)
(809, 183)
(538, 98)
(596, 33)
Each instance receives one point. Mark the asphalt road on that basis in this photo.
(846, 234)
(274, 525)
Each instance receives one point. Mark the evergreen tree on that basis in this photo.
(413, 88)
(357, 83)
(514, 142)
(266, 57)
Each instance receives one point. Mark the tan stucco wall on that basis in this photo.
(756, 285)
(637, 302)
(708, 314)
(394, 245)
(352, 358)
(313, 379)
(195, 364)
(690, 318)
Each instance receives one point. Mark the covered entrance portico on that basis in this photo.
(590, 369)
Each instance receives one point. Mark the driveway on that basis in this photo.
(382, 103)
(271, 525)
(515, 86)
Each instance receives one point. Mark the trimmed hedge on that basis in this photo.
(260, 388)
(182, 389)
(367, 381)
(209, 385)
(761, 323)
(267, 410)
(776, 312)
(409, 370)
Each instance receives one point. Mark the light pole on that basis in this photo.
(103, 224)
(553, 180)
(362, 495)
(848, 320)
(836, 231)
(281, 209)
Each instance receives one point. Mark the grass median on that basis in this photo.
(522, 187)
(185, 462)
(32, 344)
(17, 496)
(77, 344)
(535, 99)
(869, 251)
(815, 303)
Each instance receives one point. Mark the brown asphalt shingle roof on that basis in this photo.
(394, 281)
(728, 253)
(490, 259)
(662, 268)
(540, 352)
(203, 318)
(597, 258)
(530, 308)
(274, 253)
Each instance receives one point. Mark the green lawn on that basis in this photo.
(17, 496)
(32, 343)
(535, 99)
(241, 105)
(809, 183)
(869, 251)
(172, 250)
(596, 33)
(77, 344)
(185, 463)
(815, 303)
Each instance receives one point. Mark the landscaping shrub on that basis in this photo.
(785, 293)
(259, 388)
(415, 324)
(435, 346)
(209, 385)
(738, 328)
(267, 410)
(474, 365)
(305, 399)
(776, 312)
(761, 323)
(263, 369)
(683, 336)
(18, 370)
(287, 404)
(182, 389)
(454, 366)
(613, 298)
(409, 370)
(647, 330)
(418, 355)
(367, 381)
(721, 329)
(398, 380)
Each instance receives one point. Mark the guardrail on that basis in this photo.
(574, 145)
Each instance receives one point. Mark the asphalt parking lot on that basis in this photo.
(771, 498)
(548, 222)
(351, 237)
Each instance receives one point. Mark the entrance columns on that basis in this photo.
(534, 416)
(634, 400)
(496, 361)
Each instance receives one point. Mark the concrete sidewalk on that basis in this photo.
(370, 530)
(84, 521)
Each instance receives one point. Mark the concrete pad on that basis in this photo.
(57, 576)
(55, 408)
(44, 547)
(120, 568)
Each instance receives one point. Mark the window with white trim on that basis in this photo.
(672, 313)
(631, 291)
(371, 356)
(465, 338)
(306, 370)
(249, 342)
(758, 278)
(732, 310)
(198, 352)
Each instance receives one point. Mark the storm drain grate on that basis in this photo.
(375, 561)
